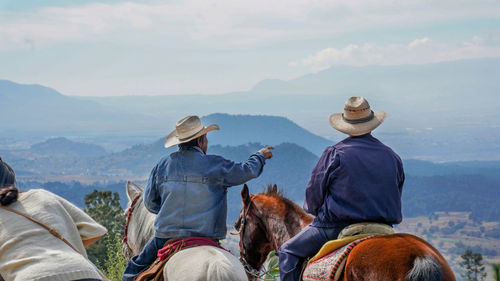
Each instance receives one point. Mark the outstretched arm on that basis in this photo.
(239, 173)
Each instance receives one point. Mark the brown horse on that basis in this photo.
(268, 219)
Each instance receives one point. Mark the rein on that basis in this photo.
(129, 215)
(250, 270)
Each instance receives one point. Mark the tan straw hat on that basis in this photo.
(187, 129)
(358, 119)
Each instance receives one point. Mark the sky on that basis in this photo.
(177, 47)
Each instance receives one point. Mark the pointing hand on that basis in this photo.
(266, 151)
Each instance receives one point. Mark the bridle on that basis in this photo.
(129, 215)
(252, 271)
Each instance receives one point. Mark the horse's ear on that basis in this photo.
(245, 195)
(132, 190)
(275, 189)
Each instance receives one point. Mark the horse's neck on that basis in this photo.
(281, 228)
(144, 227)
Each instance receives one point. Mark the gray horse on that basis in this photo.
(201, 263)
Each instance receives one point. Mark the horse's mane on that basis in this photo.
(273, 191)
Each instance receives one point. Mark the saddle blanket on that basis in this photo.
(175, 245)
(328, 265)
(155, 271)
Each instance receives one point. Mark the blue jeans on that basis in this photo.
(306, 243)
(142, 261)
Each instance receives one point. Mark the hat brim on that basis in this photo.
(172, 138)
(338, 123)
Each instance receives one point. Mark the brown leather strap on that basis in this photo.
(53, 232)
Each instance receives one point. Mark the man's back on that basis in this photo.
(364, 183)
(187, 190)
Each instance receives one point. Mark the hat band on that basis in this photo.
(357, 121)
(186, 138)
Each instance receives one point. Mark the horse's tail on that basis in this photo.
(425, 268)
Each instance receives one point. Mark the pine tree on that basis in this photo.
(104, 207)
(472, 263)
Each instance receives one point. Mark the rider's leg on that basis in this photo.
(305, 244)
(142, 261)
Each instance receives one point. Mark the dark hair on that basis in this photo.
(193, 142)
(8, 189)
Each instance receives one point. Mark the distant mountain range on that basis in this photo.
(37, 110)
(441, 112)
(439, 95)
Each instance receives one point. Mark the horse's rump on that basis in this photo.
(330, 266)
(382, 257)
(204, 263)
(397, 257)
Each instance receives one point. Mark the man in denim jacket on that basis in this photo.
(187, 190)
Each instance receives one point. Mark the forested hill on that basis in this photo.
(63, 147)
(268, 130)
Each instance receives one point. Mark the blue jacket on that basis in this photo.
(358, 179)
(187, 189)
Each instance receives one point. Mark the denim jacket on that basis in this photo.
(187, 190)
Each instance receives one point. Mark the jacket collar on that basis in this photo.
(193, 148)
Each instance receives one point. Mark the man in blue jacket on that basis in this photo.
(356, 180)
(187, 190)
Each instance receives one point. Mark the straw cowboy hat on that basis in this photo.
(358, 119)
(187, 129)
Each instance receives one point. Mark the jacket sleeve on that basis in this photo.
(401, 173)
(239, 173)
(321, 177)
(152, 199)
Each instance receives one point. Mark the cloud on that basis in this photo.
(418, 51)
(418, 42)
(225, 23)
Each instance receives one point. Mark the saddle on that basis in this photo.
(329, 262)
(173, 246)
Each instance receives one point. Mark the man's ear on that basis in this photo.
(245, 195)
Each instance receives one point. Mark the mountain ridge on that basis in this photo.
(435, 111)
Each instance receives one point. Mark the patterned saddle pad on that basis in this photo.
(329, 267)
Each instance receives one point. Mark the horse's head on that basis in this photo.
(139, 227)
(255, 242)
(265, 222)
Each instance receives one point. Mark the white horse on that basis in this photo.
(203, 263)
